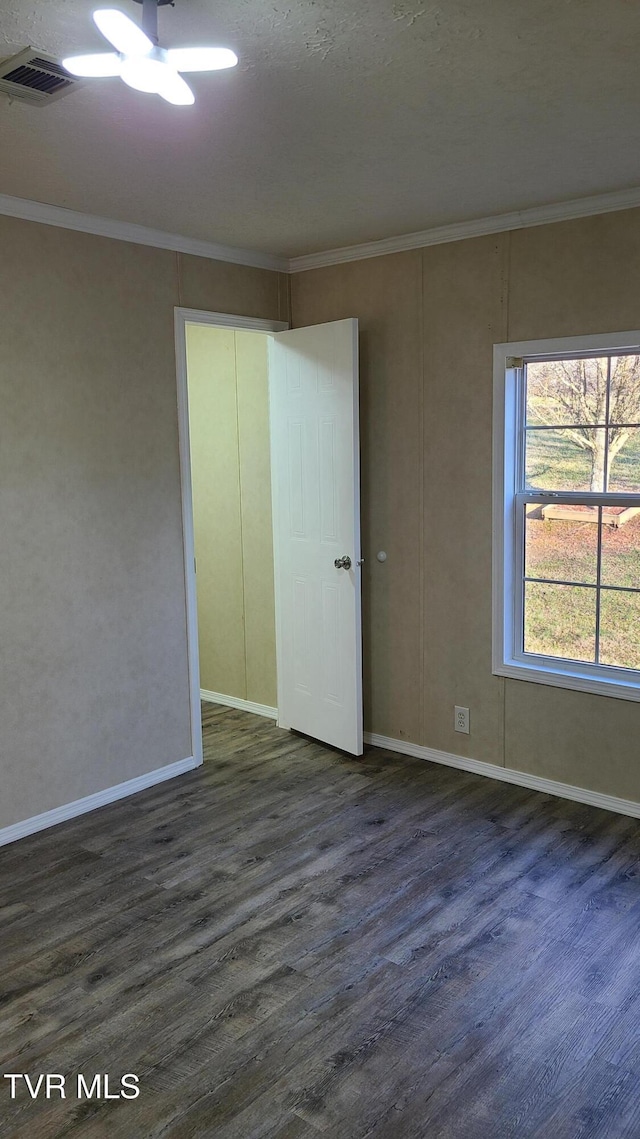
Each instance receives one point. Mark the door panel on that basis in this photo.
(313, 384)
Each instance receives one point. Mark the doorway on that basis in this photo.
(224, 445)
(315, 560)
(228, 388)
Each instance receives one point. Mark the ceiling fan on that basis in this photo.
(139, 61)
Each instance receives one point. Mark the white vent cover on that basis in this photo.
(35, 78)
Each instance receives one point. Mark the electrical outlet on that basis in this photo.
(461, 719)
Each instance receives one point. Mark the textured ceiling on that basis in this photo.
(346, 120)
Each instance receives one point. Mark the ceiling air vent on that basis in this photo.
(35, 78)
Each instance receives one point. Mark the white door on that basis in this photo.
(313, 392)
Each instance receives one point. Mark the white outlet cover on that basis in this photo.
(461, 719)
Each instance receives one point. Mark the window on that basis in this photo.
(567, 513)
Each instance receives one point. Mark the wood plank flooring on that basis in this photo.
(288, 943)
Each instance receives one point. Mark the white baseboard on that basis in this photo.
(236, 702)
(92, 802)
(508, 775)
(403, 747)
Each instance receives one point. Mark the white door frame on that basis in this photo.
(183, 317)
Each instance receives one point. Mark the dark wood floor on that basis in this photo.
(289, 943)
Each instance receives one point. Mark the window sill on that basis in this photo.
(575, 680)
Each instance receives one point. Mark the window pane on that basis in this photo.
(624, 401)
(561, 542)
(572, 459)
(624, 459)
(621, 547)
(560, 621)
(620, 629)
(567, 391)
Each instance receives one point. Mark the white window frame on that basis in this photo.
(509, 659)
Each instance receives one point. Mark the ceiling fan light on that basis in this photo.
(142, 73)
(156, 77)
(201, 58)
(98, 65)
(175, 90)
(125, 36)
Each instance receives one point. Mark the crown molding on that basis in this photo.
(458, 231)
(479, 227)
(136, 234)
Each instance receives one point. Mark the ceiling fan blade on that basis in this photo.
(156, 77)
(201, 58)
(174, 89)
(122, 32)
(143, 73)
(97, 65)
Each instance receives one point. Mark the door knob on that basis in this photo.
(343, 562)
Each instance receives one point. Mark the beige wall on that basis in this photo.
(93, 652)
(229, 429)
(428, 320)
(92, 623)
